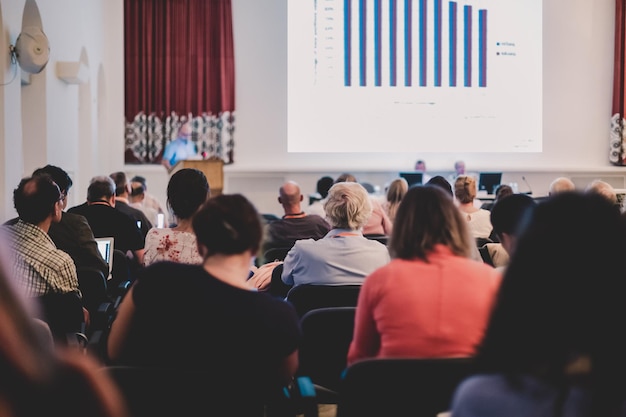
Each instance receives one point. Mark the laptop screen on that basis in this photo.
(105, 246)
(412, 178)
(488, 181)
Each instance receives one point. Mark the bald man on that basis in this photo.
(561, 184)
(295, 224)
(180, 148)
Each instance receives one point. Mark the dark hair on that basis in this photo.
(35, 197)
(323, 185)
(508, 213)
(100, 188)
(58, 175)
(345, 177)
(562, 299)
(137, 189)
(426, 217)
(228, 224)
(120, 182)
(187, 190)
(139, 178)
(440, 181)
(503, 190)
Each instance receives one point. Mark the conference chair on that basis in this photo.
(326, 336)
(64, 315)
(276, 254)
(93, 287)
(379, 238)
(307, 297)
(400, 386)
(150, 392)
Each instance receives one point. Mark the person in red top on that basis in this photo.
(432, 299)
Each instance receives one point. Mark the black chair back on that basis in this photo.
(63, 313)
(327, 333)
(401, 387)
(307, 297)
(93, 286)
(150, 392)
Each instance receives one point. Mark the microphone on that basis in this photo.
(530, 191)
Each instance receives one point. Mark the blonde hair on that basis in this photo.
(348, 206)
(465, 189)
(396, 191)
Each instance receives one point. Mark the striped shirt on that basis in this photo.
(37, 265)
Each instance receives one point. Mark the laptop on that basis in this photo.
(105, 246)
(488, 181)
(412, 178)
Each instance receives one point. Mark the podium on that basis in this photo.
(213, 170)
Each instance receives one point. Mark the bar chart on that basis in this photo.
(363, 71)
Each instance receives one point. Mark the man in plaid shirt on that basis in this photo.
(37, 265)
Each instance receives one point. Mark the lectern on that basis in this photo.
(213, 170)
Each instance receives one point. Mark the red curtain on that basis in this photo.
(179, 64)
(618, 148)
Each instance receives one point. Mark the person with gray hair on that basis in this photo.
(344, 256)
(603, 188)
(105, 221)
(561, 184)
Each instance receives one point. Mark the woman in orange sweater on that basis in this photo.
(431, 300)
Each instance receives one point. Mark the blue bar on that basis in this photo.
(362, 43)
(393, 42)
(452, 39)
(347, 56)
(467, 17)
(482, 48)
(408, 42)
(423, 43)
(437, 10)
(377, 43)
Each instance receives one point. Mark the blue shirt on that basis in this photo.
(342, 257)
(179, 149)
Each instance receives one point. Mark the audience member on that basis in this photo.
(440, 181)
(72, 234)
(378, 223)
(395, 192)
(432, 299)
(122, 191)
(38, 266)
(248, 340)
(105, 221)
(560, 185)
(187, 190)
(478, 219)
(508, 217)
(604, 189)
(501, 191)
(295, 224)
(554, 344)
(136, 199)
(317, 206)
(344, 255)
(40, 379)
(180, 148)
(150, 200)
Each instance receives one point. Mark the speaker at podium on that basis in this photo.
(213, 169)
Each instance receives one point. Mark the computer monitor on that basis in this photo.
(488, 181)
(412, 178)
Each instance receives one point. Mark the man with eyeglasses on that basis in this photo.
(72, 234)
(180, 148)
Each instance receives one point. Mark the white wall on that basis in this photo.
(578, 56)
